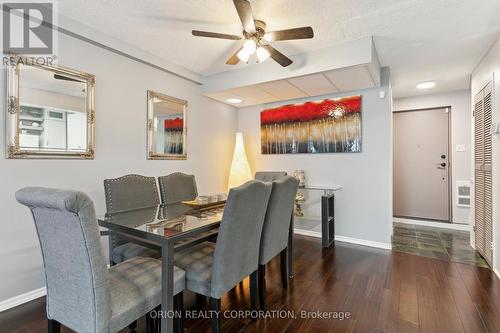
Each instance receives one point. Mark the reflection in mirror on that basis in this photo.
(53, 113)
(166, 127)
(50, 112)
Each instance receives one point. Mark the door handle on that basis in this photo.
(441, 165)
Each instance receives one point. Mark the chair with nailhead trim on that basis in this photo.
(126, 193)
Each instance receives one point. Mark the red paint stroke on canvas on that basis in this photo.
(174, 124)
(311, 110)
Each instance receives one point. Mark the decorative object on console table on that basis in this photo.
(300, 175)
(300, 198)
(328, 126)
(299, 201)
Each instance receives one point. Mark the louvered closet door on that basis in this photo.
(482, 174)
(488, 179)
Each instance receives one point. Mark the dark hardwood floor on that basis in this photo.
(383, 291)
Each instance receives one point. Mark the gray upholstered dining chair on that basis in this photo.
(274, 238)
(269, 176)
(82, 293)
(177, 187)
(214, 269)
(125, 193)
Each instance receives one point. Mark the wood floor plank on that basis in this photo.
(383, 291)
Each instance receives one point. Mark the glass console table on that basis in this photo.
(327, 210)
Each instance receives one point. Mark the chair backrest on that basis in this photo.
(277, 222)
(177, 187)
(130, 192)
(75, 269)
(237, 249)
(269, 176)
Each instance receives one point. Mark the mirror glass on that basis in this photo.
(52, 111)
(49, 111)
(167, 127)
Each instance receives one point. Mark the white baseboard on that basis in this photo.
(364, 242)
(497, 273)
(443, 225)
(23, 298)
(307, 233)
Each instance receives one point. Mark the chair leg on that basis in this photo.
(200, 301)
(54, 326)
(156, 322)
(253, 290)
(132, 327)
(179, 313)
(151, 322)
(262, 287)
(215, 306)
(284, 271)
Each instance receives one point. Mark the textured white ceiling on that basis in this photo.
(421, 40)
(342, 80)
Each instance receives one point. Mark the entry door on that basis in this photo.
(483, 196)
(421, 146)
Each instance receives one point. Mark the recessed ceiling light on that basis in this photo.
(426, 85)
(234, 100)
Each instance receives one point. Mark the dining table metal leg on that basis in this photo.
(290, 248)
(167, 288)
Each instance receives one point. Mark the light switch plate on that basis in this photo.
(460, 148)
(495, 128)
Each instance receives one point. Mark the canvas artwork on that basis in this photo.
(328, 126)
(174, 134)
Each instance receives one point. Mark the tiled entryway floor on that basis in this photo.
(436, 243)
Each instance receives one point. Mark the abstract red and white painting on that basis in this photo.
(328, 126)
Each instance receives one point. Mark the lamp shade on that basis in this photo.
(240, 169)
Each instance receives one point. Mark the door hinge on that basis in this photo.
(474, 228)
(491, 245)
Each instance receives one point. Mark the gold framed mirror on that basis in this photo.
(50, 111)
(167, 131)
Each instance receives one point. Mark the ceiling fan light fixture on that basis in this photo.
(250, 46)
(262, 54)
(243, 55)
(268, 37)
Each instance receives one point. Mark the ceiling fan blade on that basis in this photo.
(65, 78)
(234, 60)
(244, 10)
(214, 35)
(277, 56)
(289, 34)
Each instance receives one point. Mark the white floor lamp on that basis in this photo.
(240, 169)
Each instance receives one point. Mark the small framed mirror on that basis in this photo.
(50, 111)
(167, 130)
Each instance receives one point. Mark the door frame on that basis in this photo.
(450, 160)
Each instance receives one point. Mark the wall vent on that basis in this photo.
(463, 193)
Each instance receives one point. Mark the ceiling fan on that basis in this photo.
(256, 37)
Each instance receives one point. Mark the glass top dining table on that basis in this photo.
(164, 222)
(170, 228)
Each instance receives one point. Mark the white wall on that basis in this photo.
(460, 134)
(487, 70)
(364, 206)
(41, 98)
(121, 86)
